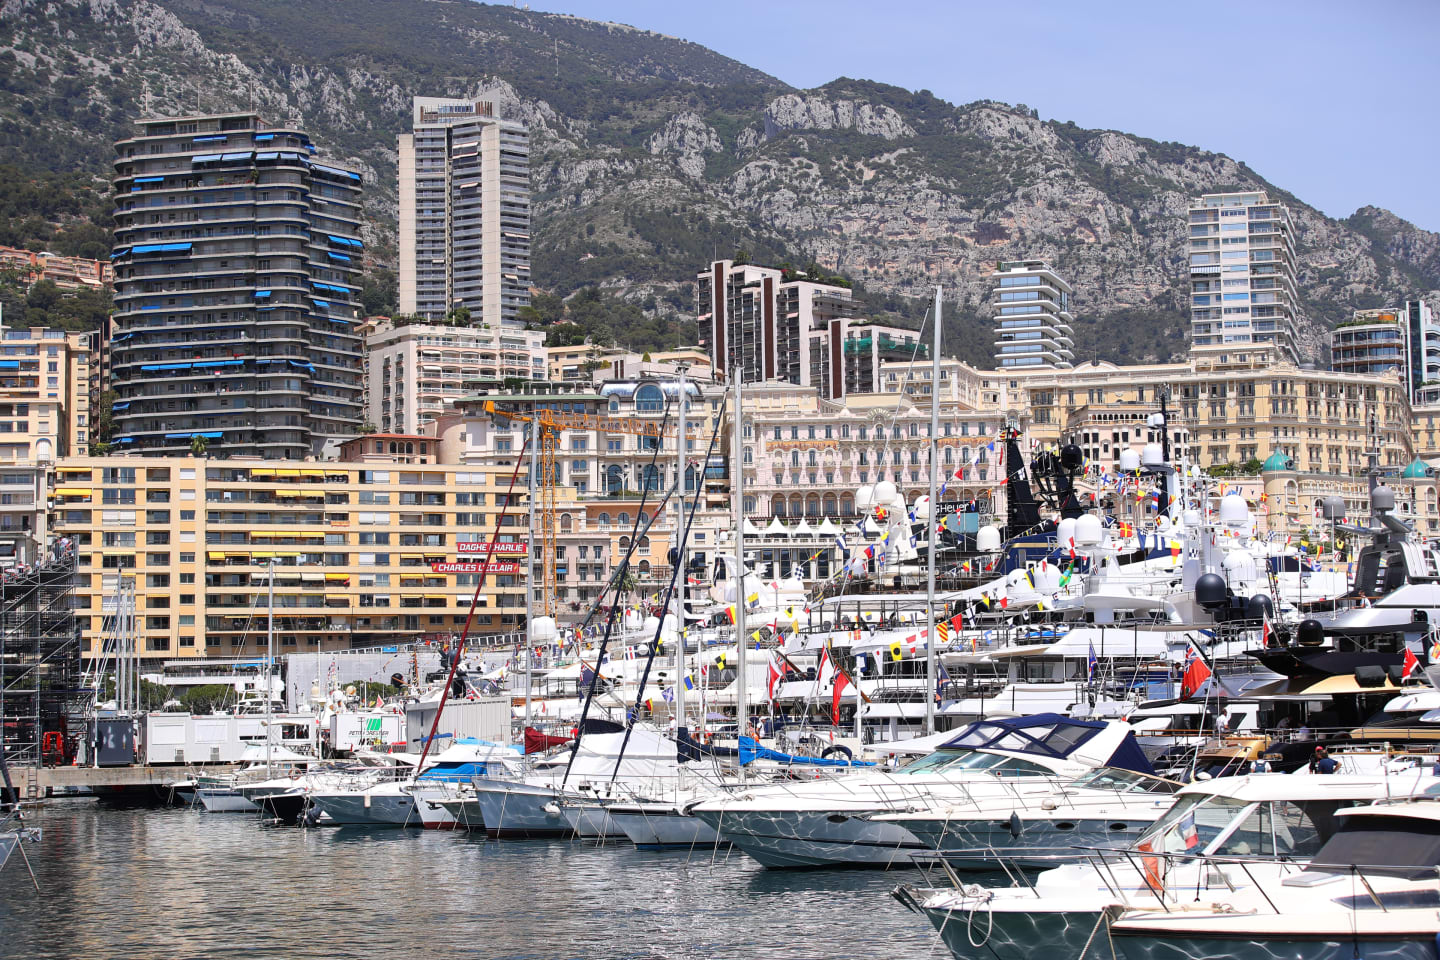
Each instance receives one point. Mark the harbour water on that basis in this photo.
(161, 883)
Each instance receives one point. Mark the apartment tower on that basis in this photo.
(237, 272)
(464, 212)
(1242, 275)
(1032, 316)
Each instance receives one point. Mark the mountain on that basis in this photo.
(651, 155)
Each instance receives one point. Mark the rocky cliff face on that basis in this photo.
(651, 155)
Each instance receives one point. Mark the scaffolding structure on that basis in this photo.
(40, 674)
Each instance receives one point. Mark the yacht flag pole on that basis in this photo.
(932, 536)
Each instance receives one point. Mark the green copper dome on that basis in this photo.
(1276, 462)
(1418, 470)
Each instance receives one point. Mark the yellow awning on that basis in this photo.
(262, 553)
(262, 472)
(290, 492)
(312, 473)
(287, 473)
(287, 553)
(310, 534)
(216, 555)
(337, 576)
(264, 533)
(412, 556)
(72, 492)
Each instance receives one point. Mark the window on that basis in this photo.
(649, 399)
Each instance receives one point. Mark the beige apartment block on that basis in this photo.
(362, 554)
(1233, 413)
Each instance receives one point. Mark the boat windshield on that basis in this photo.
(1191, 825)
(1125, 781)
(1277, 828)
(973, 761)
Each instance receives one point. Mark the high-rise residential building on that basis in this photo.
(237, 272)
(775, 325)
(416, 372)
(1242, 275)
(1424, 333)
(1405, 340)
(380, 547)
(1032, 316)
(464, 210)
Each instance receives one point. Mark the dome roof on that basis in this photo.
(1276, 462)
(1417, 470)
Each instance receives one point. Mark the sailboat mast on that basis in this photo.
(678, 597)
(737, 488)
(530, 569)
(270, 668)
(932, 538)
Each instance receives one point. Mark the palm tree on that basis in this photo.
(197, 446)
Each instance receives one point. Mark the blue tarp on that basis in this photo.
(166, 366)
(337, 256)
(262, 293)
(751, 751)
(267, 156)
(323, 303)
(205, 158)
(236, 156)
(264, 137)
(212, 139)
(119, 253)
(344, 241)
(1047, 735)
(337, 172)
(9, 364)
(120, 406)
(159, 247)
(149, 179)
(218, 363)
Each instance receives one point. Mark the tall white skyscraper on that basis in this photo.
(1032, 316)
(464, 212)
(1242, 275)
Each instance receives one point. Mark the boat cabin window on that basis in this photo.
(1279, 828)
(968, 761)
(1191, 825)
(1125, 781)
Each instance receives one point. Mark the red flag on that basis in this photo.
(842, 680)
(957, 622)
(1412, 663)
(1196, 673)
(773, 677)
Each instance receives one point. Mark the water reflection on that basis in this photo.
(181, 883)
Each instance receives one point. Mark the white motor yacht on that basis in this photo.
(832, 822)
(1369, 891)
(1270, 815)
(398, 802)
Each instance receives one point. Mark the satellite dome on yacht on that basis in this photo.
(1129, 461)
(987, 539)
(1088, 531)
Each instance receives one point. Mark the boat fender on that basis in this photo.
(552, 809)
(839, 750)
(1015, 825)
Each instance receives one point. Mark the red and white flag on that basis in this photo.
(1412, 663)
(773, 676)
(842, 681)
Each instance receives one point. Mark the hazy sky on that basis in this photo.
(1334, 101)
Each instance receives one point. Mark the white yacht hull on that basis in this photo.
(591, 821)
(389, 810)
(433, 813)
(789, 839)
(224, 800)
(518, 811)
(659, 826)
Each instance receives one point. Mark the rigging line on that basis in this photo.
(459, 650)
(679, 551)
(617, 581)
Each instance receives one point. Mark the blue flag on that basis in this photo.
(1091, 663)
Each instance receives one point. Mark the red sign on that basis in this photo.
(500, 547)
(494, 567)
